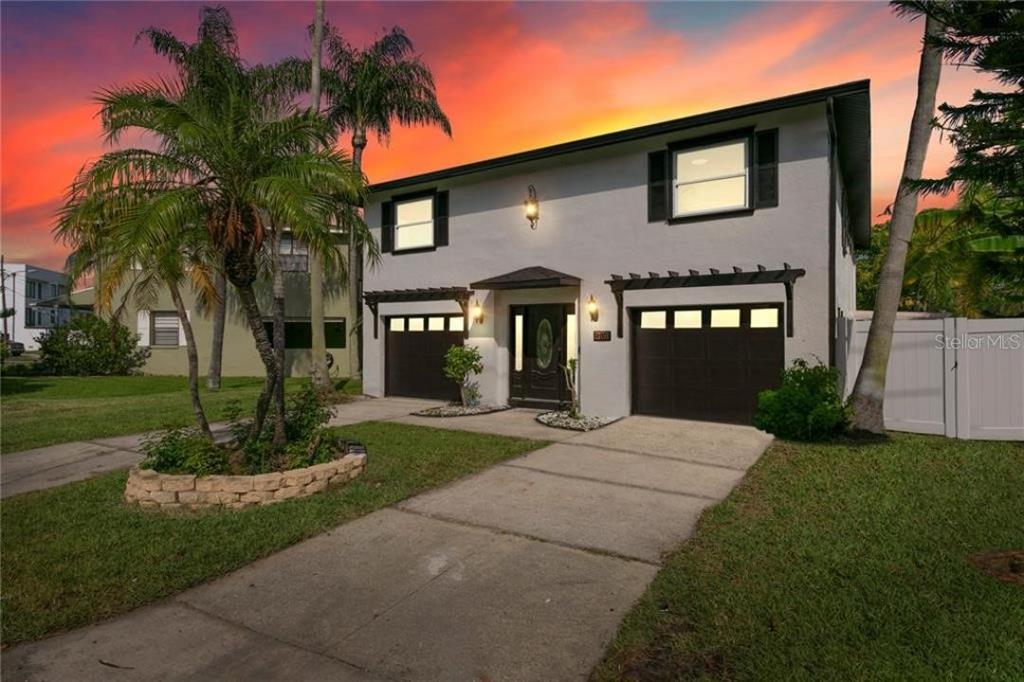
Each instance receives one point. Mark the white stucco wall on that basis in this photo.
(593, 222)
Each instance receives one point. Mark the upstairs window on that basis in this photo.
(414, 224)
(711, 178)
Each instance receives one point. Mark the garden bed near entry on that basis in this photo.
(457, 410)
(563, 420)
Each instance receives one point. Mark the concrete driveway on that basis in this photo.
(521, 572)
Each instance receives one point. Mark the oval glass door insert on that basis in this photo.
(545, 344)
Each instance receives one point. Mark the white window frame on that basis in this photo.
(746, 175)
(396, 248)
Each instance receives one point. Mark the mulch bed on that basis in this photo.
(1006, 566)
(456, 410)
(562, 420)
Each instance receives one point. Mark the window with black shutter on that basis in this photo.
(657, 186)
(767, 162)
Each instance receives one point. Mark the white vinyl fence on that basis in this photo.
(954, 377)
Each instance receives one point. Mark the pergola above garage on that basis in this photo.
(460, 295)
(713, 278)
(534, 277)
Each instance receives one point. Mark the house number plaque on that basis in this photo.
(602, 335)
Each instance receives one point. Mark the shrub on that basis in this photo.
(808, 406)
(183, 451)
(90, 345)
(305, 421)
(461, 363)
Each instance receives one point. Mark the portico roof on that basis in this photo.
(534, 277)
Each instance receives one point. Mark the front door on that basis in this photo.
(537, 354)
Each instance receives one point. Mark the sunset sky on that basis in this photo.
(510, 76)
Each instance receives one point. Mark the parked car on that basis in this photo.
(17, 347)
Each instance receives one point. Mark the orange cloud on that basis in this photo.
(510, 76)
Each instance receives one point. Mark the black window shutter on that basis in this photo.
(657, 186)
(767, 160)
(441, 219)
(387, 227)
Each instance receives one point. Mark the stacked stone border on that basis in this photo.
(151, 489)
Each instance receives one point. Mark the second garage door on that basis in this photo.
(414, 355)
(706, 363)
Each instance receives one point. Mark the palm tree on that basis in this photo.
(231, 157)
(368, 89)
(316, 274)
(142, 262)
(869, 389)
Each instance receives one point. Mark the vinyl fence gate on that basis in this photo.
(953, 376)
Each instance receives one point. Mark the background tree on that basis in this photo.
(318, 369)
(139, 264)
(230, 156)
(869, 390)
(368, 89)
(946, 272)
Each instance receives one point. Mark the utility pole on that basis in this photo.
(3, 296)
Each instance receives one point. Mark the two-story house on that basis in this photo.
(684, 263)
(37, 297)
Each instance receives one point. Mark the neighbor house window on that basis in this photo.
(165, 329)
(298, 334)
(294, 254)
(414, 224)
(711, 178)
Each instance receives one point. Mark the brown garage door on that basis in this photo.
(414, 355)
(706, 363)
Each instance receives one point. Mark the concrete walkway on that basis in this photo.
(520, 572)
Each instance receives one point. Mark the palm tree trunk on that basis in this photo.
(278, 316)
(868, 396)
(193, 361)
(266, 351)
(220, 309)
(318, 370)
(355, 272)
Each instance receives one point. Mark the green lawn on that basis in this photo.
(38, 411)
(76, 554)
(845, 561)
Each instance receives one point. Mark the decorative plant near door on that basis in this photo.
(569, 368)
(460, 364)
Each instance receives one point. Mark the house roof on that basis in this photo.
(533, 277)
(850, 110)
(83, 299)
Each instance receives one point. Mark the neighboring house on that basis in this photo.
(159, 328)
(683, 263)
(35, 294)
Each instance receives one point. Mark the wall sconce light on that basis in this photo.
(477, 312)
(532, 207)
(592, 308)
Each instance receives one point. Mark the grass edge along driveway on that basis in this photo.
(39, 410)
(842, 561)
(76, 554)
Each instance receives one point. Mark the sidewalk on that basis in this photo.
(55, 465)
